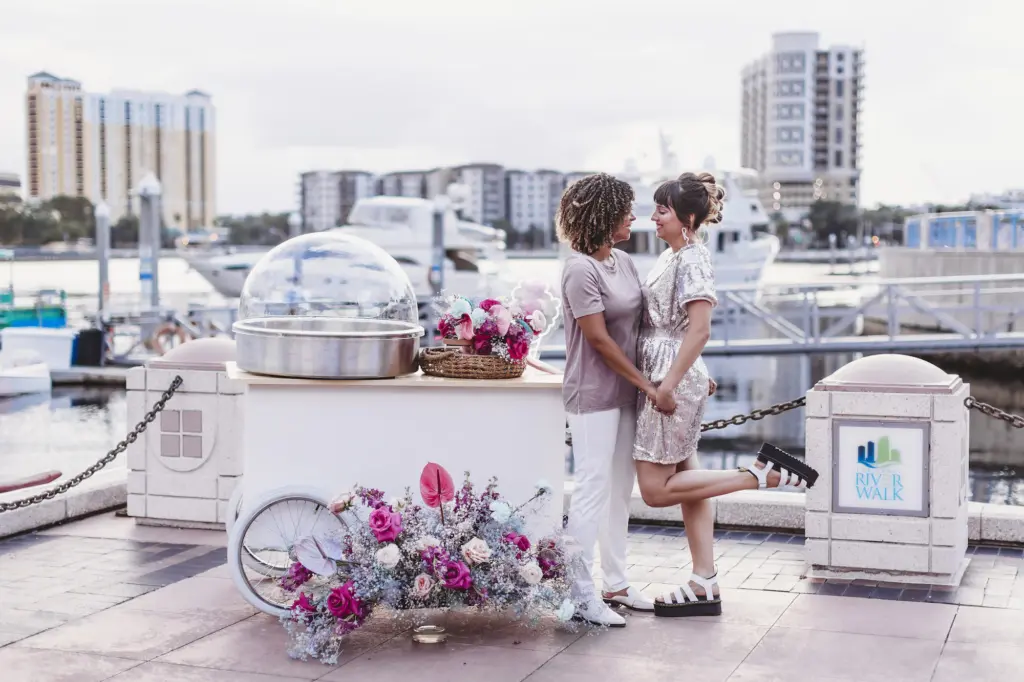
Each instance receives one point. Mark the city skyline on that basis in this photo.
(297, 92)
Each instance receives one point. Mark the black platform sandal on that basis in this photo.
(794, 472)
(683, 601)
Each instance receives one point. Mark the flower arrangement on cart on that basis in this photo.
(494, 337)
(459, 548)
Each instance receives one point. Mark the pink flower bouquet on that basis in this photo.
(492, 327)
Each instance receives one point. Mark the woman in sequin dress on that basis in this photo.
(679, 295)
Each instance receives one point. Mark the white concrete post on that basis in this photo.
(184, 469)
(889, 436)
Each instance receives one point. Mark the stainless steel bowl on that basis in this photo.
(328, 347)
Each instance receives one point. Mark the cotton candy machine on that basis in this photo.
(328, 306)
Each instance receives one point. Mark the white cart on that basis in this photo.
(305, 441)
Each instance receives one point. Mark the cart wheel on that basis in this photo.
(260, 540)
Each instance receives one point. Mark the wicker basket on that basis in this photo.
(452, 363)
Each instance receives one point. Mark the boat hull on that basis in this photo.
(24, 380)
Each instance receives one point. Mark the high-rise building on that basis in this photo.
(403, 184)
(100, 146)
(10, 184)
(532, 200)
(486, 185)
(800, 114)
(327, 197)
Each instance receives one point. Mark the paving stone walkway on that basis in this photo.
(104, 599)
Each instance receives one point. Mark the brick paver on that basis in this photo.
(104, 599)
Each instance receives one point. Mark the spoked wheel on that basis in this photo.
(260, 543)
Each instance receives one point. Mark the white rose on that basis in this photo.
(537, 321)
(422, 586)
(388, 556)
(531, 573)
(343, 503)
(476, 551)
(425, 542)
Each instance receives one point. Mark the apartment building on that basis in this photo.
(532, 200)
(327, 197)
(801, 110)
(100, 146)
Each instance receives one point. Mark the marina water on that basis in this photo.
(71, 428)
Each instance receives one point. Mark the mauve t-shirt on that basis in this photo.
(589, 287)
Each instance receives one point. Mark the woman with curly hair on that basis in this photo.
(602, 301)
(679, 295)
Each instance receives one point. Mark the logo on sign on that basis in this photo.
(875, 484)
(878, 458)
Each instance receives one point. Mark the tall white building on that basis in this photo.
(100, 146)
(800, 113)
(327, 197)
(532, 200)
(486, 184)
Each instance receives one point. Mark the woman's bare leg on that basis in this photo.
(662, 486)
(699, 517)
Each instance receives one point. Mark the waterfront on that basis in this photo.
(74, 427)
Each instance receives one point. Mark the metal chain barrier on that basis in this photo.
(756, 415)
(1014, 420)
(132, 436)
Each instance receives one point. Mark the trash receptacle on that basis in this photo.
(89, 348)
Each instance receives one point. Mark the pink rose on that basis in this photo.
(464, 328)
(445, 327)
(520, 541)
(422, 586)
(385, 524)
(488, 304)
(482, 345)
(502, 317)
(455, 575)
(518, 348)
(342, 603)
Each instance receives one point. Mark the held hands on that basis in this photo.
(652, 392)
(664, 401)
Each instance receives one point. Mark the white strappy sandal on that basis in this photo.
(787, 479)
(683, 601)
(633, 600)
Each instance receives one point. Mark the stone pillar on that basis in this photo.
(184, 468)
(889, 436)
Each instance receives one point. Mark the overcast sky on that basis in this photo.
(569, 84)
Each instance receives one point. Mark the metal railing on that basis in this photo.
(916, 315)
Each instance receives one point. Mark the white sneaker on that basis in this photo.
(634, 599)
(595, 612)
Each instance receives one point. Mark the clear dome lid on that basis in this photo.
(328, 274)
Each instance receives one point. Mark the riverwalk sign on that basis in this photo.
(880, 467)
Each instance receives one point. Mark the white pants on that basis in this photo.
(602, 447)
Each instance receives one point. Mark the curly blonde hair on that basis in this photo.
(693, 194)
(590, 211)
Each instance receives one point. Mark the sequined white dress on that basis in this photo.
(677, 279)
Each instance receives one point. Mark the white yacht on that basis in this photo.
(740, 245)
(402, 226)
